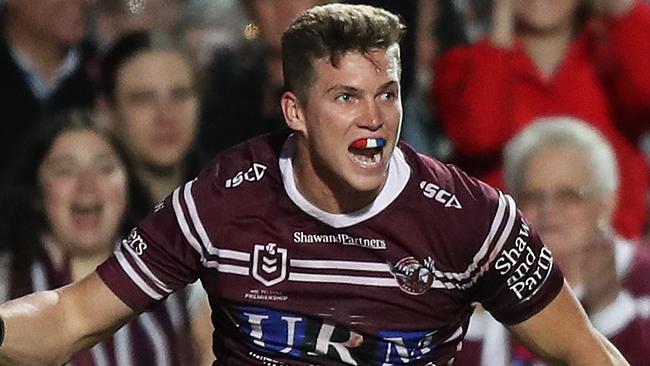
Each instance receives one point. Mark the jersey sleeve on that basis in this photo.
(520, 277)
(163, 253)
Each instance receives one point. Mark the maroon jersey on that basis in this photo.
(290, 284)
(625, 322)
(158, 337)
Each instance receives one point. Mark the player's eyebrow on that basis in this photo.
(389, 84)
(342, 87)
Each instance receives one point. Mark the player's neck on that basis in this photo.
(325, 190)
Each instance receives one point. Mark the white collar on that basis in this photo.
(399, 173)
(39, 84)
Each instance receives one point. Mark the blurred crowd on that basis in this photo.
(111, 104)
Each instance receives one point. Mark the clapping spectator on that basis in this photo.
(563, 174)
(560, 57)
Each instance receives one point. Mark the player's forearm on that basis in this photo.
(597, 351)
(617, 358)
(40, 330)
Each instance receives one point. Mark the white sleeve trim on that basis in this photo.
(182, 222)
(135, 277)
(143, 267)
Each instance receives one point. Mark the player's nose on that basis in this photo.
(370, 116)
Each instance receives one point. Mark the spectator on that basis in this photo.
(564, 176)
(44, 65)
(245, 84)
(315, 247)
(554, 59)
(65, 207)
(148, 87)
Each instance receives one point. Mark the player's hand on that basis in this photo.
(503, 23)
(601, 282)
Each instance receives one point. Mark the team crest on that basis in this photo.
(412, 277)
(269, 264)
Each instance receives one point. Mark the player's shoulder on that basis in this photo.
(465, 212)
(240, 166)
(450, 186)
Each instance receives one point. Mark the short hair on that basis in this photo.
(562, 132)
(331, 31)
(126, 48)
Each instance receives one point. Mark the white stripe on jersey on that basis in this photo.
(332, 264)
(100, 357)
(175, 311)
(500, 242)
(196, 220)
(143, 267)
(502, 224)
(135, 277)
(200, 229)
(233, 254)
(122, 346)
(158, 338)
(228, 268)
(482, 252)
(39, 278)
(182, 222)
(505, 202)
(351, 280)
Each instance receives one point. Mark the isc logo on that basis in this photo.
(431, 190)
(253, 174)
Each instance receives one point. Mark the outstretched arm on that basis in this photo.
(561, 334)
(48, 328)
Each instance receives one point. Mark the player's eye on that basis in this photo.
(388, 95)
(344, 97)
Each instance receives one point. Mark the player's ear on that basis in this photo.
(293, 114)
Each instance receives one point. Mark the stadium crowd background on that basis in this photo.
(181, 80)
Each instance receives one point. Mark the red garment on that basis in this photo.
(487, 94)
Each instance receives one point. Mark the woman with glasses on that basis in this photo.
(69, 199)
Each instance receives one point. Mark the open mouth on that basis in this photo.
(367, 152)
(86, 212)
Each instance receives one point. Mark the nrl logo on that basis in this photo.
(269, 264)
